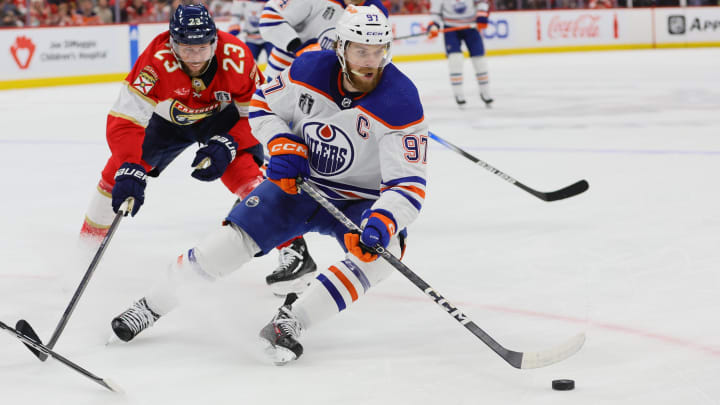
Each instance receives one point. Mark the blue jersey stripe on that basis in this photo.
(411, 179)
(333, 291)
(259, 113)
(344, 187)
(272, 24)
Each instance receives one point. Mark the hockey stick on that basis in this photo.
(39, 347)
(24, 327)
(521, 360)
(420, 34)
(565, 192)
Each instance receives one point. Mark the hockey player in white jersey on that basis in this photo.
(295, 26)
(352, 125)
(245, 24)
(458, 13)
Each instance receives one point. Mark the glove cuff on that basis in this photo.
(133, 170)
(228, 142)
(287, 144)
(383, 216)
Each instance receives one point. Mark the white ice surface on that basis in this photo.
(633, 262)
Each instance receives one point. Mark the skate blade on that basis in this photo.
(297, 286)
(279, 356)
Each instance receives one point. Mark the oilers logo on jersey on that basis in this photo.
(331, 151)
(459, 7)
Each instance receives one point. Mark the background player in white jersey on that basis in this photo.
(294, 26)
(245, 25)
(458, 13)
(352, 125)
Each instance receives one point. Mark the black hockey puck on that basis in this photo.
(563, 385)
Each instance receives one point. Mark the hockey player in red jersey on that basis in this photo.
(192, 84)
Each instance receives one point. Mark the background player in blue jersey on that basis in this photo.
(352, 125)
(458, 13)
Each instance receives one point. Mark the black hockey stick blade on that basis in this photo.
(106, 383)
(22, 326)
(566, 192)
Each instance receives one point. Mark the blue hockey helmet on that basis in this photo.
(192, 25)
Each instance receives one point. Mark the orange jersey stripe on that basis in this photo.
(272, 17)
(416, 190)
(259, 104)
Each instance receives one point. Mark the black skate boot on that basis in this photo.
(279, 337)
(134, 320)
(295, 271)
(487, 100)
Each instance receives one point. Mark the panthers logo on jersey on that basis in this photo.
(184, 115)
(331, 151)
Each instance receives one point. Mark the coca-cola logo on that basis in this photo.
(583, 26)
(22, 51)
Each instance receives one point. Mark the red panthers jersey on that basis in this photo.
(157, 84)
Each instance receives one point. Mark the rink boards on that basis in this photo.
(49, 56)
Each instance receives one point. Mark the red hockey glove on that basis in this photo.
(288, 160)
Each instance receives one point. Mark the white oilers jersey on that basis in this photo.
(284, 20)
(369, 146)
(455, 13)
(246, 14)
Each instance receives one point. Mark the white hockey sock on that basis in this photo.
(336, 288)
(99, 214)
(455, 65)
(481, 73)
(220, 253)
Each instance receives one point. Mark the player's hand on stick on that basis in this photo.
(288, 161)
(433, 30)
(212, 159)
(378, 227)
(482, 16)
(130, 181)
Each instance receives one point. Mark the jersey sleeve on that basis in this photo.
(403, 165)
(272, 108)
(278, 19)
(133, 108)
(238, 62)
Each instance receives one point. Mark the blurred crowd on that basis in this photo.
(18, 13)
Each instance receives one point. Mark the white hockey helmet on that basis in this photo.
(363, 25)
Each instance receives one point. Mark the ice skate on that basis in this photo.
(279, 337)
(486, 99)
(295, 270)
(460, 101)
(134, 320)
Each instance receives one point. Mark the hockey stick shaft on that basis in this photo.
(125, 208)
(49, 352)
(515, 359)
(420, 34)
(565, 192)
